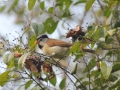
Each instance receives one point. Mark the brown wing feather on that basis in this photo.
(55, 42)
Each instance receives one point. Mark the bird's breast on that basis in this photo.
(55, 51)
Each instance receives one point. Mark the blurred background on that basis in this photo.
(15, 16)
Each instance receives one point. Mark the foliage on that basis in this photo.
(101, 43)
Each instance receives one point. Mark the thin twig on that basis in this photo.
(100, 5)
(89, 50)
(88, 72)
(73, 76)
(71, 80)
(117, 38)
(57, 17)
(34, 80)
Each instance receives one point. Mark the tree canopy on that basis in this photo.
(94, 58)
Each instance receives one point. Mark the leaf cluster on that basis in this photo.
(100, 42)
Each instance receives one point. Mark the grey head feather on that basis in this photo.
(42, 36)
(42, 40)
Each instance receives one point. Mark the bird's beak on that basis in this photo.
(36, 42)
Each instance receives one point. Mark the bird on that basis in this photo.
(54, 48)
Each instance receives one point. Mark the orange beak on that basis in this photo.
(36, 42)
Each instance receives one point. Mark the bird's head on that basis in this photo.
(41, 40)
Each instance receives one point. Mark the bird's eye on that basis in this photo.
(40, 39)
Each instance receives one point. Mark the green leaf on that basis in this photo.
(115, 85)
(103, 67)
(28, 84)
(2, 8)
(117, 24)
(115, 67)
(86, 82)
(80, 1)
(118, 88)
(78, 56)
(8, 57)
(15, 76)
(11, 64)
(62, 83)
(95, 73)
(112, 78)
(38, 28)
(68, 3)
(102, 39)
(31, 42)
(66, 14)
(42, 5)
(35, 74)
(91, 65)
(98, 80)
(107, 12)
(112, 3)
(21, 61)
(31, 4)
(49, 26)
(109, 39)
(90, 28)
(109, 69)
(50, 10)
(89, 4)
(118, 54)
(53, 81)
(5, 58)
(75, 48)
(112, 32)
(74, 69)
(98, 33)
(4, 78)
(62, 3)
(83, 83)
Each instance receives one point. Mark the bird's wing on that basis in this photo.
(55, 42)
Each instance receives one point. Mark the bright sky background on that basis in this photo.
(7, 26)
